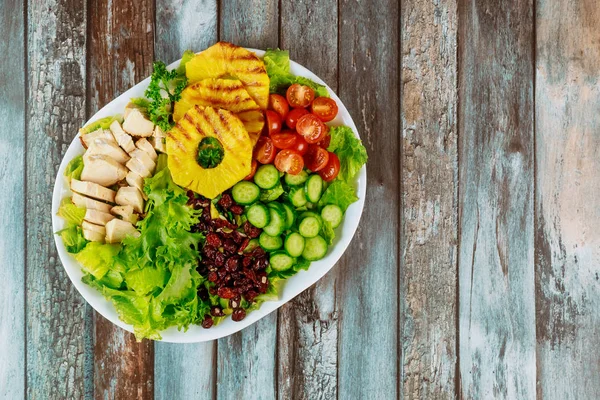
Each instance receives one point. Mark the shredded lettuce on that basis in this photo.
(74, 168)
(97, 258)
(349, 149)
(277, 63)
(339, 193)
(73, 239)
(102, 123)
(70, 212)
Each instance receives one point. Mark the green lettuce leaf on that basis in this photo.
(271, 194)
(277, 63)
(102, 123)
(141, 103)
(327, 232)
(349, 149)
(70, 212)
(73, 239)
(74, 168)
(187, 56)
(97, 258)
(339, 193)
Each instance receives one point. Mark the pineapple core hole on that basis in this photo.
(210, 153)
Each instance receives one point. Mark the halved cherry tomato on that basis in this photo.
(289, 161)
(299, 95)
(252, 171)
(324, 143)
(332, 169)
(273, 122)
(279, 104)
(316, 158)
(311, 128)
(324, 108)
(292, 118)
(301, 146)
(285, 139)
(264, 151)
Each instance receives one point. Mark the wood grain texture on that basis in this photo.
(496, 273)
(12, 231)
(246, 360)
(184, 371)
(568, 199)
(428, 290)
(367, 289)
(55, 313)
(308, 326)
(120, 54)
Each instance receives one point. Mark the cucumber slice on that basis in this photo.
(270, 243)
(280, 261)
(298, 196)
(258, 215)
(245, 192)
(277, 224)
(309, 227)
(296, 180)
(314, 188)
(314, 248)
(294, 244)
(266, 177)
(252, 244)
(290, 215)
(332, 214)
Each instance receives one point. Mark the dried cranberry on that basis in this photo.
(234, 303)
(212, 277)
(238, 314)
(232, 264)
(258, 252)
(203, 294)
(237, 237)
(206, 215)
(250, 274)
(237, 210)
(246, 262)
(251, 230)
(216, 311)
(250, 295)
(213, 239)
(210, 252)
(226, 201)
(240, 282)
(225, 293)
(230, 246)
(212, 291)
(207, 322)
(219, 259)
(222, 273)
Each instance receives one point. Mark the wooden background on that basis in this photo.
(475, 271)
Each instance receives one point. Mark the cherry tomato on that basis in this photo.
(252, 171)
(316, 158)
(279, 104)
(299, 95)
(285, 139)
(289, 161)
(301, 146)
(273, 122)
(324, 108)
(293, 116)
(324, 143)
(332, 169)
(264, 151)
(311, 128)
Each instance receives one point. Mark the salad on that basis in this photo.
(203, 197)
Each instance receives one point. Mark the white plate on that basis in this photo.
(292, 288)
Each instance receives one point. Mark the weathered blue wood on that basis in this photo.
(568, 199)
(12, 232)
(367, 290)
(246, 365)
(496, 257)
(55, 326)
(184, 371)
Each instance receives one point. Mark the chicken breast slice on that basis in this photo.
(144, 158)
(135, 180)
(121, 137)
(144, 145)
(89, 204)
(93, 236)
(136, 166)
(117, 230)
(136, 124)
(97, 217)
(108, 148)
(158, 140)
(125, 212)
(102, 170)
(130, 196)
(93, 190)
(93, 227)
(129, 107)
(87, 138)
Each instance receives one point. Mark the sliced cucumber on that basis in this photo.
(314, 188)
(309, 227)
(245, 192)
(280, 261)
(290, 215)
(252, 244)
(296, 180)
(267, 176)
(314, 248)
(298, 196)
(332, 214)
(277, 224)
(294, 244)
(269, 242)
(258, 215)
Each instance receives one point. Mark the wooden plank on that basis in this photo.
(428, 290)
(12, 231)
(184, 371)
(367, 291)
(56, 328)
(567, 199)
(308, 326)
(496, 272)
(246, 361)
(120, 54)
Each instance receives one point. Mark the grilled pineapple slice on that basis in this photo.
(223, 93)
(202, 124)
(227, 60)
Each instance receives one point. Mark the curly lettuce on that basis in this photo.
(277, 63)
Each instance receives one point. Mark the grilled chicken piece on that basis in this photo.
(136, 124)
(93, 227)
(117, 230)
(121, 137)
(125, 212)
(93, 190)
(129, 107)
(136, 166)
(97, 217)
(144, 158)
(87, 138)
(102, 170)
(135, 181)
(144, 144)
(108, 148)
(158, 140)
(93, 236)
(89, 204)
(130, 196)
